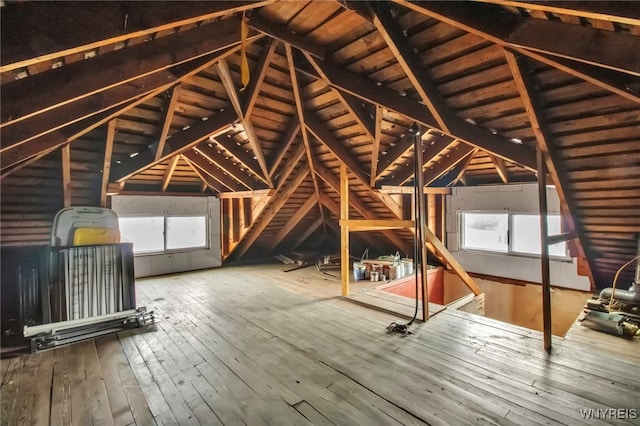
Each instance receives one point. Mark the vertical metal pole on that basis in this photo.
(420, 218)
(544, 250)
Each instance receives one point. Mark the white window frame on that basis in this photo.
(207, 245)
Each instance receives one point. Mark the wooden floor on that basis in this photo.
(256, 346)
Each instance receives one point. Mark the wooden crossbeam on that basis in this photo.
(285, 35)
(408, 60)
(412, 109)
(293, 221)
(290, 135)
(167, 117)
(375, 146)
(254, 143)
(272, 209)
(544, 139)
(44, 91)
(110, 23)
(357, 225)
(66, 175)
(432, 149)
(334, 208)
(453, 158)
(106, 163)
(226, 165)
(257, 77)
(297, 96)
(168, 173)
(248, 194)
(390, 189)
(471, 17)
(209, 168)
(177, 144)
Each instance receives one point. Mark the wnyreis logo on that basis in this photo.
(608, 413)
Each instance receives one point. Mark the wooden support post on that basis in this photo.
(231, 234)
(106, 165)
(544, 251)
(344, 229)
(235, 223)
(431, 212)
(420, 219)
(66, 175)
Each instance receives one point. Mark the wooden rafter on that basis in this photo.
(254, 143)
(226, 165)
(401, 147)
(106, 163)
(293, 221)
(501, 168)
(408, 60)
(44, 91)
(168, 173)
(245, 158)
(375, 147)
(544, 139)
(209, 168)
(107, 24)
(167, 117)
(66, 175)
(178, 144)
(257, 77)
(362, 111)
(467, 19)
(459, 175)
(431, 149)
(412, 109)
(298, 154)
(278, 32)
(623, 13)
(452, 158)
(297, 96)
(290, 135)
(272, 209)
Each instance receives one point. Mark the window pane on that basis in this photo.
(186, 232)
(485, 231)
(526, 234)
(146, 233)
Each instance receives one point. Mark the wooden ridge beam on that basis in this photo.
(51, 89)
(293, 221)
(254, 143)
(431, 150)
(544, 138)
(177, 144)
(453, 158)
(375, 146)
(412, 109)
(105, 19)
(167, 116)
(285, 35)
(289, 136)
(620, 12)
(226, 165)
(465, 19)
(320, 131)
(270, 211)
(398, 43)
(207, 168)
(257, 77)
(297, 96)
(168, 173)
(106, 161)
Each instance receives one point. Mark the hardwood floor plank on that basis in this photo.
(108, 349)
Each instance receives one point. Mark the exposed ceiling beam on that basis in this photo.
(501, 168)
(412, 109)
(226, 164)
(398, 43)
(459, 173)
(271, 210)
(617, 11)
(375, 146)
(402, 145)
(209, 168)
(257, 77)
(167, 116)
(110, 23)
(216, 186)
(51, 89)
(177, 144)
(283, 147)
(293, 221)
(362, 111)
(432, 148)
(296, 157)
(544, 138)
(297, 96)
(106, 163)
(254, 143)
(168, 173)
(285, 35)
(450, 160)
(245, 158)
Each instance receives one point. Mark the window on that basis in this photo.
(508, 233)
(157, 234)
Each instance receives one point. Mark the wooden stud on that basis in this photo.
(235, 219)
(168, 173)
(66, 175)
(431, 212)
(106, 163)
(167, 117)
(345, 259)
